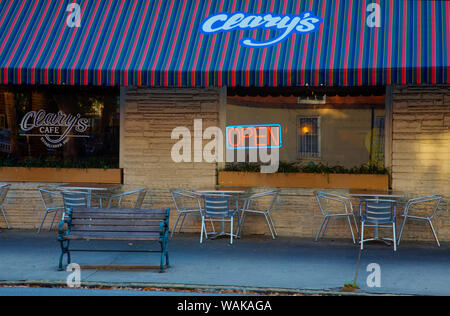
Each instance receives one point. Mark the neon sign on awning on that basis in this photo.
(254, 136)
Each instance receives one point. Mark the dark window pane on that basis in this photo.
(71, 127)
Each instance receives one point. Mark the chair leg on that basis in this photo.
(401, 229)
(320, 230)
(268, 224)
(362, 235)
(42, 223)
(394, 226)
(325, 227)
(182, 222)
(434, 232)
(356, 223)
(351, 229)
(241, 226)
(231, 229)
(175, 225)
(4, 216)
(202, 229)
(212, 226)
(273, 225)
(53, 220)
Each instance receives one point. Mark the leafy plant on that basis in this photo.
(294, 167)
(40, 162)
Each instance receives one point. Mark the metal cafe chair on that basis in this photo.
(378, 213)
(186, 203)
(217, 209)
(424, 203)
(73, 199)
(3, 192)
(50, 197)
(117, 199)
(249, 208)
(335, 206)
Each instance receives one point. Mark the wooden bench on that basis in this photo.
(115, 224)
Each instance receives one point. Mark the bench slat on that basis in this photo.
(121, 211)
(112, 236)
(115, 222)
(102, 215)
(100, 228)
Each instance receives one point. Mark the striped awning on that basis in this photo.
(187, 43)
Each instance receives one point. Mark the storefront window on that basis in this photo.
(309, 137)
(318, 126)
(59, 127)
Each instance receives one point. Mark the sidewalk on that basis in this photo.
(252, 262)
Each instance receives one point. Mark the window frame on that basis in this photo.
(319, 137)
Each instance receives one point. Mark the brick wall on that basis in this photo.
(421, 149)
(150, 117)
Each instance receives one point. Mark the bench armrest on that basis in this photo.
(164, 227)
(66, 219)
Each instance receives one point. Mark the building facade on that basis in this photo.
(104, 84)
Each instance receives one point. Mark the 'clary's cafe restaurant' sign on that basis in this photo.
(54, 129)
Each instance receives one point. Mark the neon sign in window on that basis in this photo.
(254, 136)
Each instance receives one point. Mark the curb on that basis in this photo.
(177, 287)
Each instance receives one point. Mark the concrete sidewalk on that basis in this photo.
(252, 262)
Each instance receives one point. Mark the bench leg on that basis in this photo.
(64, 250)
(164, 255)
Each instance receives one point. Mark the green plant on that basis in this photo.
(293, 167)
(40, 162)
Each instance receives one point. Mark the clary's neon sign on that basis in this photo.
(53, 128)
(254, 136)
(303, 23)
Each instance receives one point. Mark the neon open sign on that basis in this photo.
(254, 136)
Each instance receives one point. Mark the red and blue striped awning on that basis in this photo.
(167, 43)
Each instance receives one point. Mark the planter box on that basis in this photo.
(304, 180)
(63, 175)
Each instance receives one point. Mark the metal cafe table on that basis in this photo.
(89, 188)
(376, 195)
(234, 191)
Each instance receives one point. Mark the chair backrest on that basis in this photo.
(268, 196)
(74, 199)
(118, 198)
(376, 210)
(330, 203)
(3, 192)
(50, 196)
(425, 202)
(185, 199)
(216, 205)
(140, 198)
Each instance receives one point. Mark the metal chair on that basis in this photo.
(186, 202)
(74, 199)
(117, 199)
(378, 213)
(335, 206)
(50, 197)
(3, 192)
(79, 199)
(432, 201)
(247, 208)
(217, 209)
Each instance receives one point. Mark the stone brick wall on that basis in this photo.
(421, 150)
(150, 117)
